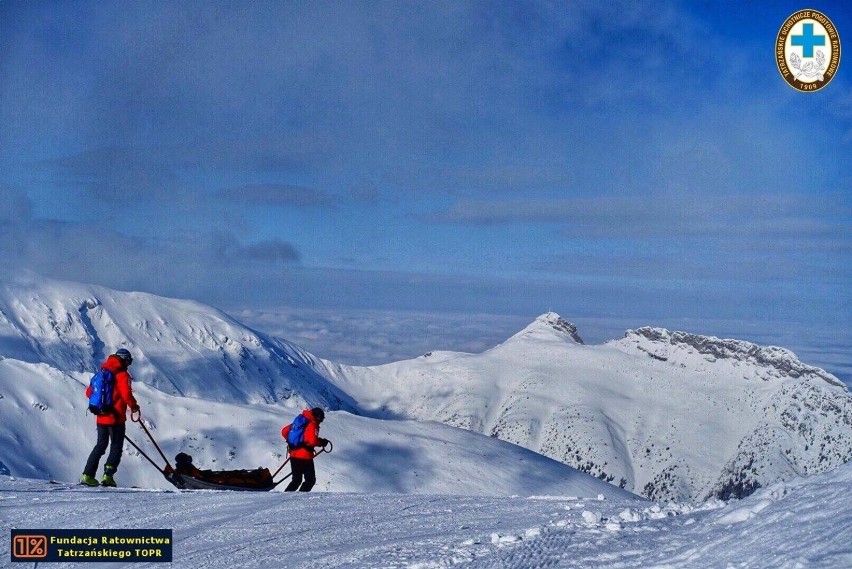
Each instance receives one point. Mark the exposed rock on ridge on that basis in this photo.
(779, 359)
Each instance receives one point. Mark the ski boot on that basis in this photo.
(108, 480)
(87, 480)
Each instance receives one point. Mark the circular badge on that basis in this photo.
(807, 50)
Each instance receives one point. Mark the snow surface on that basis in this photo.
(405, 487)
(48, 434)
(804, 523)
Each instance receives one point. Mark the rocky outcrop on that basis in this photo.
(780, 360)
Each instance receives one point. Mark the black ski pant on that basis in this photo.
(302, 468)
(108, 435)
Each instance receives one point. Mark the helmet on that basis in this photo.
(183, 459)
(124, 356)
(318, 414)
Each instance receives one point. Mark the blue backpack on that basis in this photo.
(100, 402)
(296, 435)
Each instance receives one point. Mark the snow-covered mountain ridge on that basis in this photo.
(669, 415)
(180, 347)
(543, 328)
(221, 392)
(776, 360)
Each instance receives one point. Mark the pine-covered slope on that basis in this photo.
(667, 415)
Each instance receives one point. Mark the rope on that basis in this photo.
(142, 452)
(316, 454)
(274, 474)
(138, 419)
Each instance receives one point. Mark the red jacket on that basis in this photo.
(122, 395)
(305, 450)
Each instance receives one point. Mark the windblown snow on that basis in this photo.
(530, 454)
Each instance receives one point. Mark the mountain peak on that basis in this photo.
(548, 323)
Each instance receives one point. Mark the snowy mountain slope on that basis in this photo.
(667, 415)
(179, 347)
(802, 523)
(47, 433)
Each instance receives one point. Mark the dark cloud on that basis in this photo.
(280, 195)
(664, 215)
(457, 98)
(14, 205)
(365, 194)
(118, 175)
(272, 251)
(199, 265)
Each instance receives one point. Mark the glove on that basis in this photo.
(322, 442)
(134, 409)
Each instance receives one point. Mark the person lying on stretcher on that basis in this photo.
(258, 476)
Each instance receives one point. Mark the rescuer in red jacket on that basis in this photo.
(302, 455)
(111, 426)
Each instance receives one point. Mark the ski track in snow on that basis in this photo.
(799, 524)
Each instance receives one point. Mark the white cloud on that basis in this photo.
(372, 337)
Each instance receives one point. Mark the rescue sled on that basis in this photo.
(187, 477)
(186, 482)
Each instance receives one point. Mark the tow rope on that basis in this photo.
(283, 464)
(138, 419)
(168, 470)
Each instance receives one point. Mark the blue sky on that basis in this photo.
(621, 159)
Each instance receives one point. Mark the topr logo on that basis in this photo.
(807, 50)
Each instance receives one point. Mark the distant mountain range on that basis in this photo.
(221, 392)
(668, 415)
